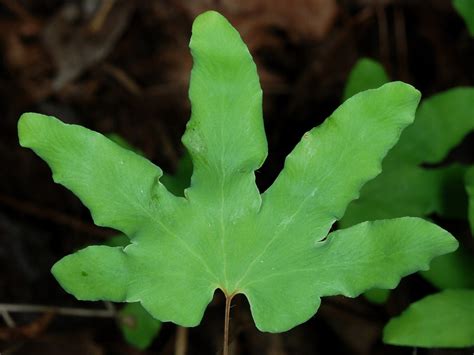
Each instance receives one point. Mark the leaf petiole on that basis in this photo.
(228, 302)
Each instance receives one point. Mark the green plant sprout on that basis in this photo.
(405, 187)
(465, 8)
(275, 248)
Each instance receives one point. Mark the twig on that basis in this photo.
(181, 343)
(101, 15)
(54, 216)
(7, 318)
(63, 311)
(123, 78)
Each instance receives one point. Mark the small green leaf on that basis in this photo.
(465, 8)
(366, 74)
(470, 192)
(223, 234)
(441, 320)
(137, 326)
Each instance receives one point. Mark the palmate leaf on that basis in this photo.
(444, 319)
(224, 234)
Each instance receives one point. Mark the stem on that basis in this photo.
(64, 311)
(181, 343)
(7, 318)
(228, 301)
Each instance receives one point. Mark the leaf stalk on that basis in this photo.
(228, 301)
